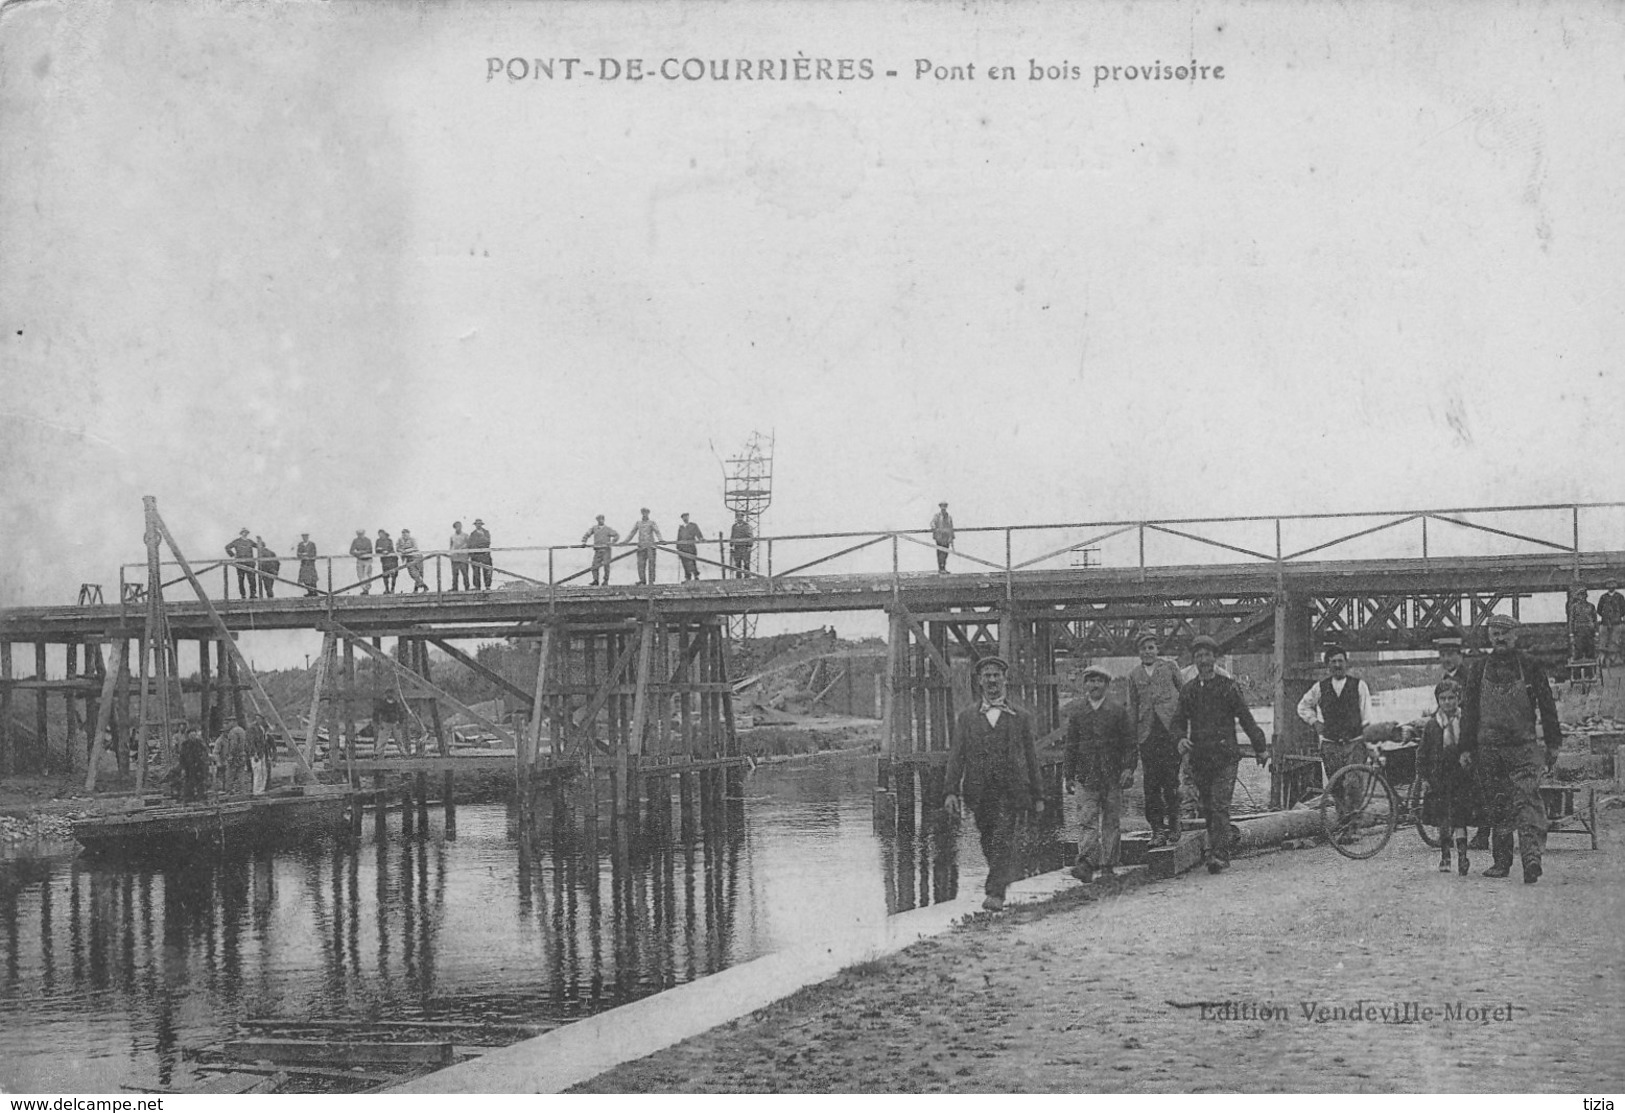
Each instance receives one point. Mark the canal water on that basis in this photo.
(112, 972)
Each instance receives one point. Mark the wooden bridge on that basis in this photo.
(635, 679)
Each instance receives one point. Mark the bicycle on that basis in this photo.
(1359, 809)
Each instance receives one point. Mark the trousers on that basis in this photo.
(1161, 759)
(998, 823)
(1100, 812)
(1215, 775)
(1512, 782)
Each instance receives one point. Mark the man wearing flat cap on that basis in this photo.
(646, 535)
(1153, 700)
(993, 767)
(1338, 708)
(1611, 613)
(942, 534)
(1508, 699)
(1210, 706)
(1100, 758)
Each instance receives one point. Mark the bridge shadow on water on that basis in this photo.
(112, 972)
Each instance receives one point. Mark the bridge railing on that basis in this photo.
(775, 562)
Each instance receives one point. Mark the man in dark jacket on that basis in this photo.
(1505, 697)
(994, 766)
(1210, 706)
(1611, 613)
(740, 540)
(243, 554)
(1100, 756)
(269, 567)
(306, 552)
(479, 555)
(688, 548)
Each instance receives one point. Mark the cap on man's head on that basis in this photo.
(1202, 641)
(992, 660)
(479, 521)
(1145, 636)
(600, 517)
(683, 516)
(1096, 670)
(1612, 585)
(1333, 651)
(1501, 622)
(304, 535)
(1451, 642)
(942, 504)
(360, 532)
(243, 532)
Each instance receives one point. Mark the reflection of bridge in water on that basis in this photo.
(632, 684)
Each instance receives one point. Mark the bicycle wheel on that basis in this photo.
(1430, 835)
(1358, 811)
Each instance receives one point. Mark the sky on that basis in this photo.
(311, 267)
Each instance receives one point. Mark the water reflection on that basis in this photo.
(113, 972)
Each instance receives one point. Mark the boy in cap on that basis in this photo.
(1507, 699)
(993, 765)
(1100, 756)
(1451, 800)
(1153, 701)
(1210, 706)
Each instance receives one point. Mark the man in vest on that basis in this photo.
(1100, 756)
(942, 535)
(1210, 706)
(1611, 611)
(993, 766)
(1505, 697)
(1153, 701)
(1339, 707)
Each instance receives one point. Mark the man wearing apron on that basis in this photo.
(1504, 697)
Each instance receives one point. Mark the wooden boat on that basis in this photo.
(218, 826)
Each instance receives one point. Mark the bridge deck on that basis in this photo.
(1124, 590)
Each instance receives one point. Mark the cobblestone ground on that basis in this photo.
(1102, 994)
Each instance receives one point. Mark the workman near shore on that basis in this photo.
(1100, 759)
(458, 547)
(259, 755)
(306, 552)
(1210, 706)
(993, 768)
(269, 567)
(1339, 708)
(243, 553)
(740, 540)
(479, 555)
(1611, 613)
(646, 535)
(389, 564)
(1582, 627)
(194, 759)
(361, 549)
(233, 759)
(1153, 701)
(600, 537)
(412, 556)
(1505, 697)
(942, 535)
(688, 549)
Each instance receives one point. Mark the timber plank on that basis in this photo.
(339, 1051)
(1170, 861)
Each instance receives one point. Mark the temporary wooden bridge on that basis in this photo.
(634, 681)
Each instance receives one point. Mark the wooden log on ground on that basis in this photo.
(338, 1051)
(1170, 861)
(1274, 828)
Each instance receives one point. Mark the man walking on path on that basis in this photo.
(459, 557)
(600, 537)
(942, 535)
(1210, 706)
(1100, 756)
(1153, 701)
(243, 552)
(688, 537)
(1499, 713)
(361, 549)
(993, 766)
(479, 555)
(306, 552)
(1338, 708)
(1454, 666)
(740, 538)
(646, 535)
(1611, 610)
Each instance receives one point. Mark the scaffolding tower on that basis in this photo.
(747, 488)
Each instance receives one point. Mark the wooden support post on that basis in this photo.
(104, 713)
(349, 704)
(8, 758)
(440, 740)
(70, 701)
(423, 684)
(903, 778)
(423, 802)
(42, 756)
(448, 800)
(119, 724)
(313, 720)
(407, 808)
(223, 672)
(685, 804)
(141, 720)
(532, 743)
(205, 716)
(235, 666)
(380, 808)
(1294, 656)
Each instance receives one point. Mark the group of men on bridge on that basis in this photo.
(645, 535)
(1495, 729)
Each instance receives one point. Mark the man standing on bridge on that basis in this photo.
(688, 548)
(1339, 707)
(741, 537)
(647, 535)
(942, 535)
(1100, 756)
(1611, 610)
(306, 552)
(243, 554)
(1153, 701)
(458, 547)
(479, 555)
(1210, 706)
(361, 549)
(1504, 698)
(1582, 627)
(600, 537)
(993, 765)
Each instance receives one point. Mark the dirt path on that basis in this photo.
(1102, 996)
